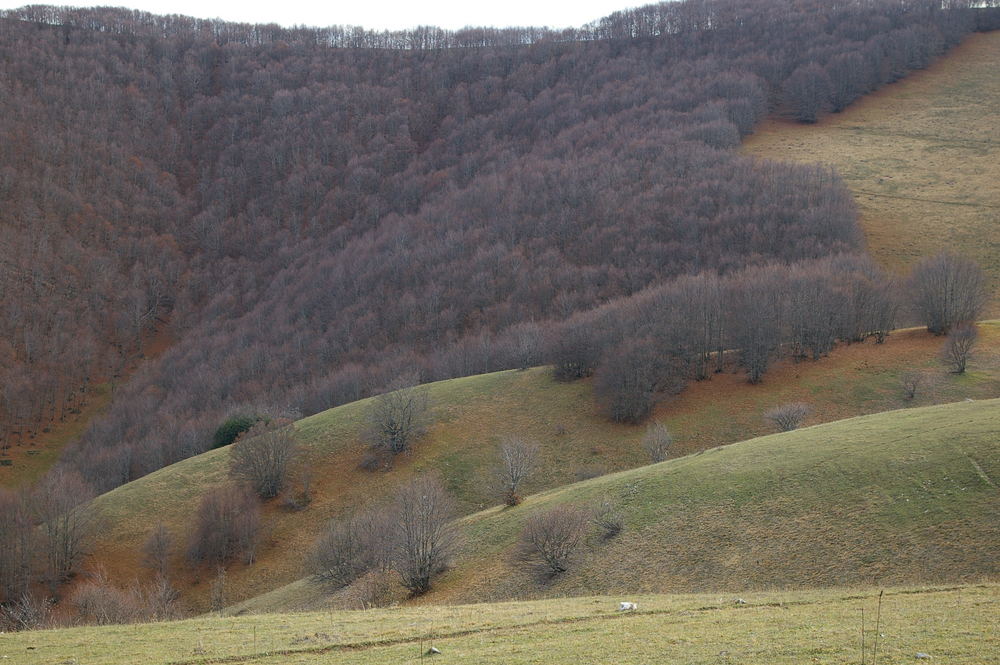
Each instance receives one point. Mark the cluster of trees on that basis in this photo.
(318, 212)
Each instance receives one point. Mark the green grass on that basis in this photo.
(954, 625)
(905, 497)
(471, 413)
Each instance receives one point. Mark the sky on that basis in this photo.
(376, 14)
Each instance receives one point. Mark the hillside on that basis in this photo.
(954, 625)
(902, 497)
(921, 157)
(576, 442)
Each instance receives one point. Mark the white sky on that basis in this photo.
(378, 14)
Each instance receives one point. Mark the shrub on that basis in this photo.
(609, 520)
(948, 290)
(911, 382)
(231, 429)
(550, 540)
(227, 526)
(787, 416)
(156, 550)
(397, 418)
(516, 462)
(350, 548)
(262, 457)
(656, 441)
(958, 347)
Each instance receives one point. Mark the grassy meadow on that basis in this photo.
(922, 157)
(952, 624)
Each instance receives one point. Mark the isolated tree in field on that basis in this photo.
(262, 457)
(911, 382)
(656, 441)
(787, 416)
(425, 539)
(227, 526)
(156, 550)
(517, 459)
(398, 418)
(550, 540)
(349, 547)
(948, 290)
(62, 504)
(958, 347)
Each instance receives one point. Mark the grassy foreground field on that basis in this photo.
(472, 412)
(953, 625)
(922, 157)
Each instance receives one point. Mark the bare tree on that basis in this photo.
(517, 458)
(425, 537)
(551, 539)
(156, 550)
(16, 544)
(958, 347)
(262, 457)
(399, 417)
(349, 548)
(911, 382)
(62, 505)
(227, 526)
(948, 290)
(787, 416)
(656, 441)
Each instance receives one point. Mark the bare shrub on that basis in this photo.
(156, 550)
(958, 347)
(349, 548)
(425, 539)
(787, 416)
(27, 612)
(948, 290)
(517, 458)
(227, 527)
(97, 601)
(912, 382)
(657, 441)
(609, 520)
(550, 540)
(398, 418)
(262, 457)
(299, 495)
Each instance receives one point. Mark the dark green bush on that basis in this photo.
(232, 428)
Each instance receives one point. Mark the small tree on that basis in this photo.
(517, 462)
(62, 505)
(550, 540)
(227, 526)
(787, 416)
(156, 550)
(958, 347)
(911, 382)
(656, 441)
(349, 548)
(399, 417)
(948, 290)
(262, 457)
(425, 539)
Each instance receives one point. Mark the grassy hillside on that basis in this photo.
(903, 497)
(921, 156)
(470, 413)
(954, 625)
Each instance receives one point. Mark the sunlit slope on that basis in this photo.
(954, 625)
(470, 413)
(903, 497)
(922, 157)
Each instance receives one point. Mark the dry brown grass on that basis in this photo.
(921, 156)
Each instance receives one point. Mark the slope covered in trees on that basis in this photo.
(317, 212)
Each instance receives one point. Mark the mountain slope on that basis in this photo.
(893, 498)
(471, 413)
